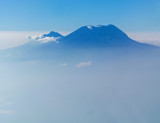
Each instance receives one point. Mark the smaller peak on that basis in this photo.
(53, 34)
(111, 25)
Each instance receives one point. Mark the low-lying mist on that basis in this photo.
(114, 86)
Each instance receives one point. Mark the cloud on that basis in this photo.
(6, 112)
(146, 37)
(9, 39)
(96, 26)
(32, 62)
(43, 39)
(4, 107)
(84, 64)
(64, 64)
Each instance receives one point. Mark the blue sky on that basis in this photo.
(68, 15)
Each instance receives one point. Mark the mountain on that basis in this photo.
(99, 37)
(45, 38)
(85, 39)
(53, 34)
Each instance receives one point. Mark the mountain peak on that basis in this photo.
(52, 34)
(91, 26)
(111, 25)
(100, 26)
(99, 36)
(91, 32)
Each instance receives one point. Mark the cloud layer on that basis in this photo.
(84, 64)
(43, 39)
(5, 107)
(6, 112)
(146, 37)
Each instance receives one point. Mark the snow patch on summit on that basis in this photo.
(90, 27)
(96, 26)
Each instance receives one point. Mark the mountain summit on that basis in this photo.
(99, 36)
(53, 34)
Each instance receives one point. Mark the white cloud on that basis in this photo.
(90, 27)
(42, 39)
(146, 37)
(5, 112)
(9, 39)
(32, 62)
(64, 64)
(4, 107)
(84, 64)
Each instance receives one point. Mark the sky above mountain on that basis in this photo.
(68, 15)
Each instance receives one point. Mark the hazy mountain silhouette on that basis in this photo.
(86, 39)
